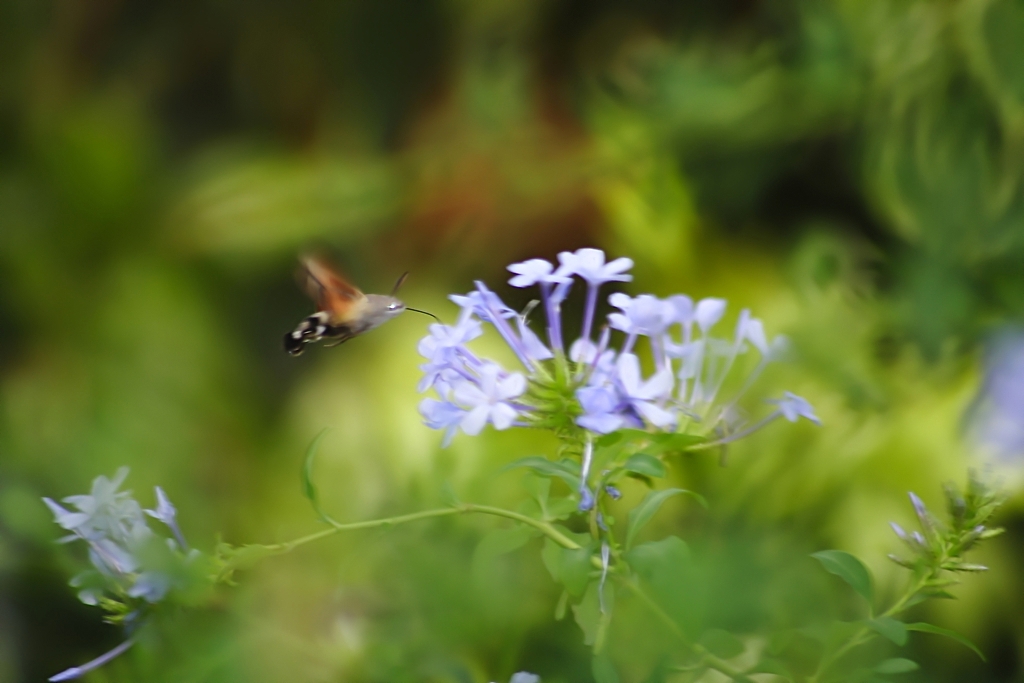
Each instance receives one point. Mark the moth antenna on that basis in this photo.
(424, 313)
(399, 283)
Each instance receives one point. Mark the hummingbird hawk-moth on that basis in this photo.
(343, 311)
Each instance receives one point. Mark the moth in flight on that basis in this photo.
(342, 310)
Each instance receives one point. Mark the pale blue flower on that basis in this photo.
(533, 272)
(708, 312)
(553, 287)
(532, 344)
(602, 409)
(646, 397)
(524, 677)
(607, 384)
(489, 400)
(996, 417)
(643, 315)
(114, 527)
(794, 407)
(167, 513)
(442, 415)
(590, 265)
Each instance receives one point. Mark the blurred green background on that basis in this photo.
(852, 171)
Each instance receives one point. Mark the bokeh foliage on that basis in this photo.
(852, 171)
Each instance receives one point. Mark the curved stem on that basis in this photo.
(706, 658)
(79, 671)
(462, 508)
(864, 633)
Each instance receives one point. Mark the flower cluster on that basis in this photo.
(120, 541)
(591, 385)
(133, 566)
(940, 547)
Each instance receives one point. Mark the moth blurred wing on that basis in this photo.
(333, 294)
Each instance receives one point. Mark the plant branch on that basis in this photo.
(706, 658)
(462, 508)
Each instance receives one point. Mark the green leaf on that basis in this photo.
(308, 488)
(575, 569)
(648, 507)
(551, 555)
(564, 469)
(897, 665)
(722, 643)
(588, 614)
(448, 495)
(561, 508)
(666, 568)
(925, 627)
(893, 629)
(603, 669)
(563, 604)
(770, 665)
(571, 568)
(609, 439)
(664, 556)
(674, 443)
(646, 465)
(539, 488)
(849, 569)
(502, 541)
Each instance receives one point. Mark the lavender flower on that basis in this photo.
(598, 388)
(113, 525)
(489, 399)
(996, 417)
(130, 562)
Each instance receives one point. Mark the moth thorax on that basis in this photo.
(381, 308)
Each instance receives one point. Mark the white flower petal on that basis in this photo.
(502, 416)
(628, 366)
(708, 312)
(474, 421)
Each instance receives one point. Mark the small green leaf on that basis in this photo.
(648, 507)
(925, 627)
(674, 443)
(563, 604)
(646, 465)
(722, 643)
(501, 541)
(662, 557)
(849, 569)
(539, 488)
(448, 495)
(603, 669)
(497, 543)
(308, 488)
(588, 614)
(897, 665)
(770, 665)
(574, 571)
(571, 568)
(894, 630)
(551, 555)
(561, 508)
(609, 439)
(564, 469)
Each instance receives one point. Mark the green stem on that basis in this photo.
(706, 659)
(462, 508)
(864, 634)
